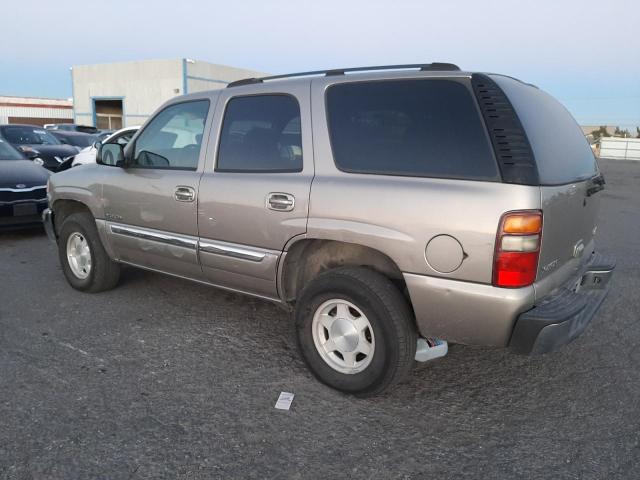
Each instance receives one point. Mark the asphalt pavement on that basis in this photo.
(163, 378)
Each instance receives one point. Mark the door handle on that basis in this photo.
(280, 202)
(184, 194)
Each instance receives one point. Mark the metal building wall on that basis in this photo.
(145, 85)
(201, 76)
(34, 108)
(141, 85)
(620, 148)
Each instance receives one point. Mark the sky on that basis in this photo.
(585, 53)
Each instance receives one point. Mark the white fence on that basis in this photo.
(620, 148)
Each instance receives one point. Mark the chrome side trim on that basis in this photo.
(18, 190)
(154, 236)
(229, 251)
(24, 200)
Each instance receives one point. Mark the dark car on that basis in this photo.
(72, 127)
(23, 186)
(37, 144)
(102, 134)
(75, 139)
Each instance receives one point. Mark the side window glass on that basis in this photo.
(173, 138)
(261, 133)
(124, 139)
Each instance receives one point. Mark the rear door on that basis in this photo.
(568, 177)
(254, 193)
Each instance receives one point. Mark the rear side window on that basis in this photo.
(560, 149)
(261, 133)
(423, 128)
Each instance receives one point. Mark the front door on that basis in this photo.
(254, 192)
(151, 204)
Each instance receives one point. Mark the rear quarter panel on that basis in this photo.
(398, 215)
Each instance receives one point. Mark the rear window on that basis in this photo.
(561, 150)
(422, 128)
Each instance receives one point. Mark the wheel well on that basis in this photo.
(307, 259)
(63, 208)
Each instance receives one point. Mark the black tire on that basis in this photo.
(104, 272)
(388, 314)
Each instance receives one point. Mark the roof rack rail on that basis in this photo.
(436, 66)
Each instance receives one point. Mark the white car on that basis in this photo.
(88, 154)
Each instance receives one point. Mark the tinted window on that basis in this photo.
(261, 134)
(561, 150)
(124, 138)
(426, 128)
(173, 138)
(29, 136)
(7, 152)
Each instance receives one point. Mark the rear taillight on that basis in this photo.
(517, 249)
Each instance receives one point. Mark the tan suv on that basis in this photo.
(390, 208)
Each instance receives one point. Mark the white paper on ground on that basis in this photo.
(284, 401)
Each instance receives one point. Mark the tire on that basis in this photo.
(390, 334)
(102, 273)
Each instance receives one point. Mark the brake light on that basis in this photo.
(517, 249)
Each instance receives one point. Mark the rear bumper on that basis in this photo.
(564, 315)
(47, 221)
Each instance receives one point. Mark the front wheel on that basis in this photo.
(356, 331)
(85, 263)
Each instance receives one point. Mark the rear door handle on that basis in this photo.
(184, 194)
(281, 202)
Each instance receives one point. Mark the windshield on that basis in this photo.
(7, 152)
(29, 136)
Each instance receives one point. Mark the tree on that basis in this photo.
(621, 133)
(638, 132)
(600, 132)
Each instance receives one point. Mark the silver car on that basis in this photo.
(390, 209)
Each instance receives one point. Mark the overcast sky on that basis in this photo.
(586, 52)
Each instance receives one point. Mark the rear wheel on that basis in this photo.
(356, 331)
(84, 261)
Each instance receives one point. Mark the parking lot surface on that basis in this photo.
(162, 378)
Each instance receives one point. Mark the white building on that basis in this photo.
(35, 110)
(113, 95)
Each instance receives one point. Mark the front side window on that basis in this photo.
(421, 128)
(261, 133)
(29, 136)
(173, 138)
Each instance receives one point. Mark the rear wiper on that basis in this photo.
(595, 185)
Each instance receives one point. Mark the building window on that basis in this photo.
(108, 114)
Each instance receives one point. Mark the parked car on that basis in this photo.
(71, 127)
(23, 195)
(88, 155)
(390, 210)
(37, 144)
(102, 134)
(75, 139)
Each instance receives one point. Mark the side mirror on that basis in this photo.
(111, 154)
(97, 144)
